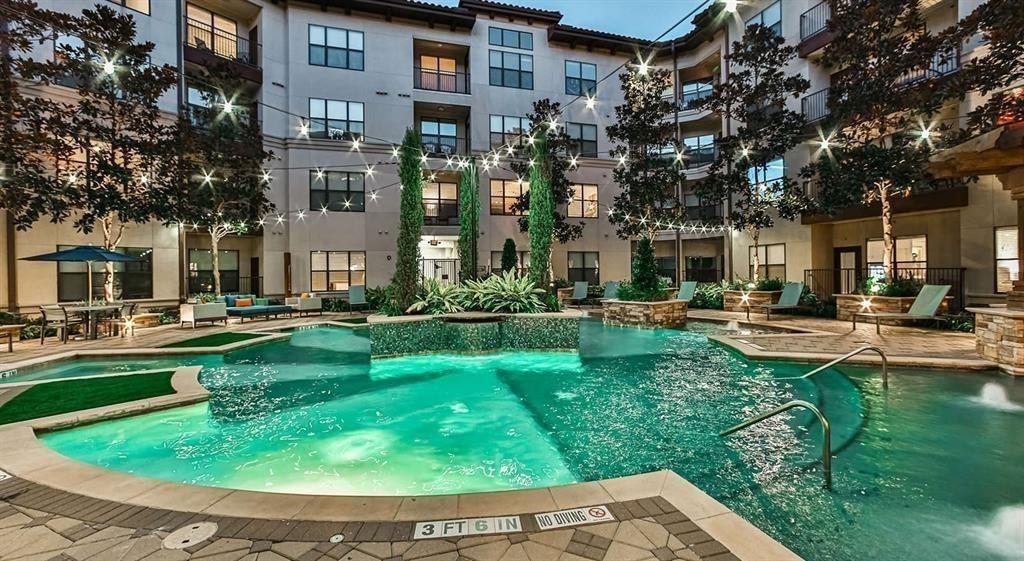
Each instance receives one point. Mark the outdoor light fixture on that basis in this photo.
(280, 219)
(423, 158)
(143, 179)
(108, 67)
(228, 106)
(591, 102)
(744, 152)
(744, 297)
(865, 304)
(642, 67)
(926, 133)
(207, 178)
(731, 6)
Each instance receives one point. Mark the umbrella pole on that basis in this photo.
(88, 264)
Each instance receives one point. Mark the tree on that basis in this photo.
(469, 221)
(410, 228)
(109, 150)
(880, 134)
(560, 148)
(645, 283)
(509, 256)
(541, 217)
(756, 96)
(221, 163)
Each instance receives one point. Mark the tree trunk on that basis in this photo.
(888, 242)
(755, 233)
(214, 247)
(111, 239)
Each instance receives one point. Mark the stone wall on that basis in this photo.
(734, 302)
(426, 334)
(668, 313)
(1000, 337)
(849, 304)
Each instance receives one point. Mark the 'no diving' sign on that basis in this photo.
(573, 517)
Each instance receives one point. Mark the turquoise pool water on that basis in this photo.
(930, 469)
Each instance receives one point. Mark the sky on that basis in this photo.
(646, 19)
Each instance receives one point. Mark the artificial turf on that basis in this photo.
(215, 340)
(54, 398)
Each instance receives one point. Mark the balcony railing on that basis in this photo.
(815, 20)
(828, 282)
(440, 213)
(688, 100)
(707, 213)
(221, 43)
(815, 106)
(942, 64)
(702, 156)
(440, 80)
(443, 145)
(206, 118)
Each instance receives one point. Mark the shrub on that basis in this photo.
(504, 293)
(708, 296)
(561, 283)
(895, 287)
(552, 303)
(437, 298)
(645, 285)
(761, 284)
(631, 292)
(509, 256)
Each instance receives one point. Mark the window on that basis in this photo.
(439, 136)
(511, 70)
(337, 191)
(522, 262)
(336, 120)
(770, 17)
(699, 150)
(440, 203)
(137, 5)
(213, 32)
(580, 78)
(508, 130)
(132, 280)
(337, 48)
(336, 270)
(911, 256)
(439, 74)
(1007, 264)
(772, 258)
(504, 194)
(200, 271)
(584, 138)
(583, 266)
(695, 90)
(699, 210)
(702, 269)
(767, 174)
(65, 49)
(582, 201)
(510, 38)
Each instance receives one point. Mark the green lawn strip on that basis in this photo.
(54, 398)
(215, 340)
(352, 320)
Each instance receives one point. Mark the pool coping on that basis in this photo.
(24, 456)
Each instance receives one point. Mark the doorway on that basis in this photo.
(847, 269)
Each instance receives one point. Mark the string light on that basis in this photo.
(228, 106)
(301, 215)
(731, 6)
(303, 129)
(355, 144)
(591, 102)
(642, 67)
(267, 177)
(369, 171)
(394, 152)
(622, 160)
(553, 124)
(423, 158)
(572, 161)
(373, 196)
(207, 178)
(320, 173)
(108, 67)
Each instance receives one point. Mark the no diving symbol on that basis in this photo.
(597, 512)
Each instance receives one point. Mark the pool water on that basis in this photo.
(929, 469)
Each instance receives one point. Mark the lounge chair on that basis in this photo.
(789, 300)
(579, 292)
(611, 291)
(925, 305)
(686, 290)
(356, 296)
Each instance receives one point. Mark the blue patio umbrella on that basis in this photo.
(88, 254)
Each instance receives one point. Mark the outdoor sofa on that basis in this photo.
(248, 306)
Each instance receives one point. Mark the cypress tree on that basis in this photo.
(469, 221)
(541, 219)
(508, 256)
(410, 228)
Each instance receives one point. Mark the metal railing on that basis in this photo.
(705, 213)
(941, 64)
(815, 20)
(221, 43)
(815, 106)
(440, 213)
(207, 118)
(844, 358)
(686, 99)
(703, 275)
(440, 80)
(230, 283)
(441, 270)
(825, 283)
(444, 145)
(826, 430)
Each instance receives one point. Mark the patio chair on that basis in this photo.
(611, 291)
(122, 322)
(579, 292)
(789, 300)
(357, 296)
(56, 317)
(925, 305)
(686, 290)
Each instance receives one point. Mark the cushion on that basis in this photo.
(230, 300)
(243, 302)
(261, 301)
(304, 295)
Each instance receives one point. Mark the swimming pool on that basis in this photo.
(929, 469)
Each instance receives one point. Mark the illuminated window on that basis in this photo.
(582, 202)
(504, 194)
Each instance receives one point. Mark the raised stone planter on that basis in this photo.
(849, 304)
(734, 301)
(564, 294)
(667, 313)
(473, 333)
(1000, 337)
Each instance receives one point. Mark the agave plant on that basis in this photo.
(506, 293)
(437, 298)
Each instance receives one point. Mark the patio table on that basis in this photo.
(10, 332)
(91, 315)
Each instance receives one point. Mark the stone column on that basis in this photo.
(1013, 181)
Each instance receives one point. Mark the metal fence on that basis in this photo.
(441, 270)
(815, 20)
(440, 81)
(815, 106)
(230, 283)
(221, 43)
(828, 282)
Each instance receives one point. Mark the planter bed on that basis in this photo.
(849, 304)
(733, 299)
(665, 313)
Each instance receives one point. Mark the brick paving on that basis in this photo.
(39, 523)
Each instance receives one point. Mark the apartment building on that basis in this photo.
(328, 72)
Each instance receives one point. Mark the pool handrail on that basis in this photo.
(881, 353)
(826, 452)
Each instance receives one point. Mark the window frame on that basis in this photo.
(776, 27)
(230, 279)
(440, 201)
(701, 148)
(124, 4)
(764, 263)
(699, 92)
(585, 88)
(120, 277)
(356, 199)
(503, 70)
(996, 259)
(348, 50)
(505, 135)
(524, 187)
(515, 32)
(581, 203)
(327, 272)
(582, 272)
(875, 269)
(326, 120)
(579, 142)
(439, 121)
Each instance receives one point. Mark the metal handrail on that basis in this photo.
(826, 452)
(881, 353)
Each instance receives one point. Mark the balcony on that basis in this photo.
(815, 106)
(938, 195)
(206, 118)
(205, 45)
(440, 212)
(440, 80)
(814, 33)
(942, 64)
(704, 213)
(437, 145)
